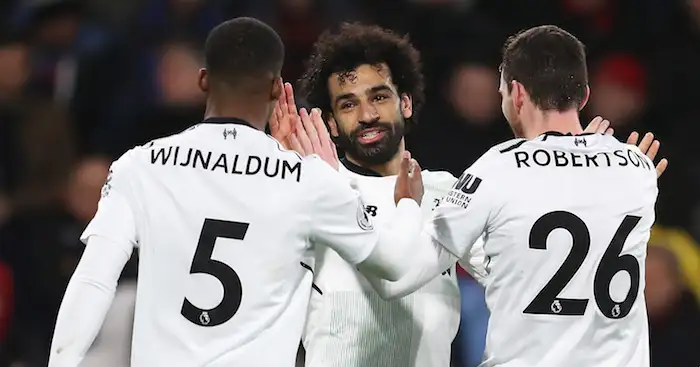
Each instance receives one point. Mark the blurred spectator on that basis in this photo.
(618, 92)
(161, 20)
(672, 303)
(72, 58)
(43, 250)
(37, 144)
(454, 134)
(169, 100)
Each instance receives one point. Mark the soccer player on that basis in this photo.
(368, 81)
(224, 220)
(565, 218)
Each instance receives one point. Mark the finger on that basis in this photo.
(323, 134)
(633, 138)
(291, 105)
(405, 165)
(646, 142)
(311, 130)
(653, 150)
(283, 100)
(274, 121)
(610, 131)
(295, 145)
(415, 169)
(661, 167)
(302, 136)
(593, 125)
(604, 125)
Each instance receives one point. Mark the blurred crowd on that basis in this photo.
(81, 82)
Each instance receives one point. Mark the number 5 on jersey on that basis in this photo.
(202, 263)
(548, 302)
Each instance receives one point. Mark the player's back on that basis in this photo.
(566, 251)
(222, 249)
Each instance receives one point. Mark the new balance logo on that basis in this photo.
(580, 141)
(468, 183)
(371, 210)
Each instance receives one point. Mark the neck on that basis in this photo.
(389, 168)
(544, 121)
(238, 107)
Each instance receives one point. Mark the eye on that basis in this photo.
(346, 105)
(380, 97)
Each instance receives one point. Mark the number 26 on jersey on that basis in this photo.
(548, 302)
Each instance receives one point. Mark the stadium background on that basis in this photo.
(82, 82)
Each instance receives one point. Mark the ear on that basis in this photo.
(406, 106)
(585, 98)
(332, 126)
(203, 80)
(518, 94)
(277, 87)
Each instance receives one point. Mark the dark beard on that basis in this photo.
(376, 153)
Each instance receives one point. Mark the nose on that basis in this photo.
(369, 113)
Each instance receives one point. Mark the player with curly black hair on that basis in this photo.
(368, 83)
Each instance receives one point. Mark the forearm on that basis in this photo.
(86, 301)
(426, 263)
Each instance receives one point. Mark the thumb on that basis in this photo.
(416, 174)
(405, 166)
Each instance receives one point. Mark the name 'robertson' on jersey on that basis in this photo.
(235, 164)
(558, 158)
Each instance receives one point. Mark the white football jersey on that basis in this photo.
(565, 221)
(224, 223)
(349, 323)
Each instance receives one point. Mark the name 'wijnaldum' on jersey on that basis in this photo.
(542, 157)
(231, 164)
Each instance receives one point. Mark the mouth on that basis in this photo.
(371, 135)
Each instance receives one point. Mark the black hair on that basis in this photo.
(356, 44)
(242, 48)
(550, 63)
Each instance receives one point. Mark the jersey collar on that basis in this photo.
(557, 133)
(352, 167)
(226, 120)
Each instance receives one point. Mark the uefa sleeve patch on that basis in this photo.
(363, 219)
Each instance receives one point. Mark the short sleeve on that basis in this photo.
(339, 220)
(465, 212)
(115, 219)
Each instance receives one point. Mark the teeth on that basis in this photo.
(369, 135)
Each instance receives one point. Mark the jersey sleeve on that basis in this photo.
(115, 218)
(464, 214)
(338, 217)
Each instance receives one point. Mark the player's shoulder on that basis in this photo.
(438, 179)
(507, 146)
(497, 157)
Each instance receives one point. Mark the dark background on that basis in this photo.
(80, 84)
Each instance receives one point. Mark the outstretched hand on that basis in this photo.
(409, 182)
(311, 137)
(650, 147)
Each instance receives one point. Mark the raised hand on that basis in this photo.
(312, 137)
(409, 182)
(284, 116)
(599, 125)
(650, 147)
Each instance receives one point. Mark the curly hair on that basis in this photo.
(357, 44)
